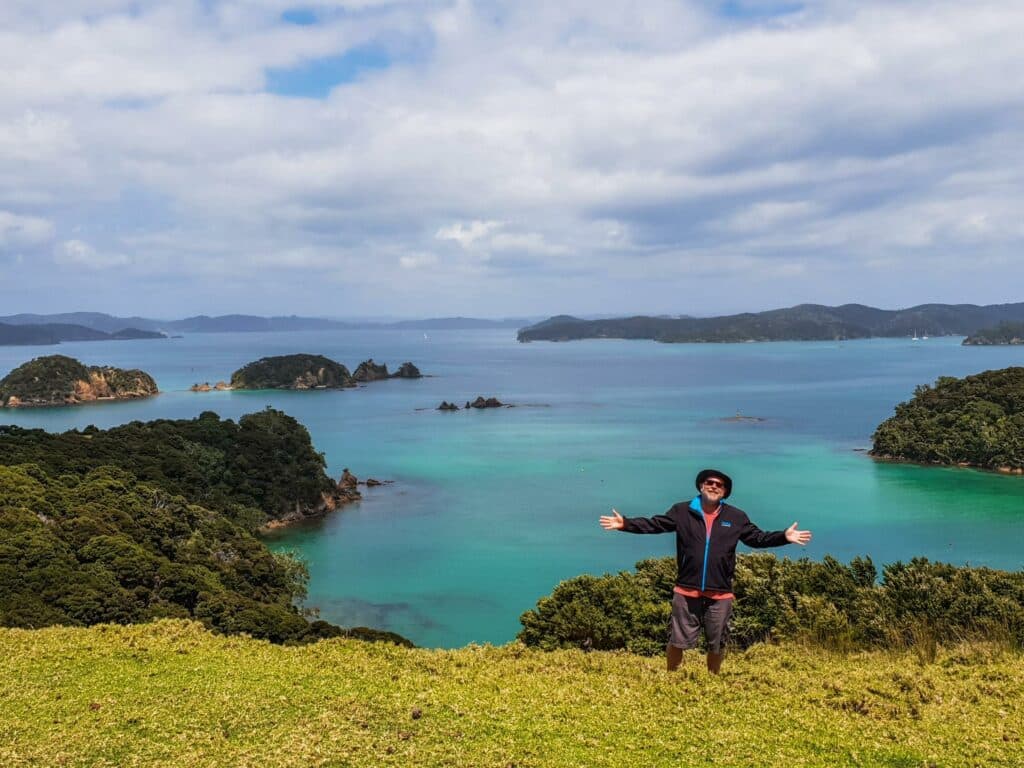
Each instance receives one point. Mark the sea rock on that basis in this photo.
(370, 371)
(446, 406)
(482, 402)
(373, 482)
(204, 387)
(348, 480)
(407, 371)
(221, 386)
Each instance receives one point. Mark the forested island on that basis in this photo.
(55, 333)
(975, 421)
(1003, 334)
(159, 519)
(806, 322)
(303, 371)
(61, 380)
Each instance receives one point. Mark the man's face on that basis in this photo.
(713, 489)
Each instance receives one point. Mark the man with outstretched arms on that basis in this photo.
(707, 532)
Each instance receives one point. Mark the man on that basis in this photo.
(707, 531)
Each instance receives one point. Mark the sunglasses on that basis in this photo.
(714, 483)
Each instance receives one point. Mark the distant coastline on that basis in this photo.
(86, 325)
(805, 322)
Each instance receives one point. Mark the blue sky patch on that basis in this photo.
(314, 79)
(757, 9)
(303, 17)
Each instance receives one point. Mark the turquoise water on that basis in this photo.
(491, 509)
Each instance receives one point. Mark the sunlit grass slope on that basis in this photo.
(170, 693)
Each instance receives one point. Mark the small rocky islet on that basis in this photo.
(305, 371)
(58, 380)
(480, 403)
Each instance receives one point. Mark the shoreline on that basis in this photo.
(1006, 471)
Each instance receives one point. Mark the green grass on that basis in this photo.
(171, 693)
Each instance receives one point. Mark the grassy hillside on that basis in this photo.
(170, 693)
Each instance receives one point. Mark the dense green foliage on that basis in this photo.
(976, 421)
(158, 519)
(104, 548)
(170, 694)
(806, 322)
(292, 372)
(55, 379)
(1004, 333)
(257, 469)
(826, 603)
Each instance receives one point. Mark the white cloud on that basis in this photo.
(80, 253)
(522, 141)
(417, 260)
(467, 233)
(23, 231)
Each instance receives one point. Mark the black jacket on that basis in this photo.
(706, 563)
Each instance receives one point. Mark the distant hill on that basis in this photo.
(245, 323)
(54, 333)
(805, 322)
(98, 321)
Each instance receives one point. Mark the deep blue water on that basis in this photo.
(490, 510)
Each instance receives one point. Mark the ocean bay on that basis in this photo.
(489, 510)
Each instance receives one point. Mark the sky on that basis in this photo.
(355, 158)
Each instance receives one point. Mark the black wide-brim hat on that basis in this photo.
(704, 474)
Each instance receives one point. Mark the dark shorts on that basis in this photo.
(689, 614)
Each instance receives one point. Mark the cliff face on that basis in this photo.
(60, 380)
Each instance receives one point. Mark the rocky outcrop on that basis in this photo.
(488, 402)
(220, 386)
(60, 380)
(446, 406)
(370, 371)
(344, 492)
(407, 371)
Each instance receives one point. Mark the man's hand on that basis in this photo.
(793, 536)
(615, 521)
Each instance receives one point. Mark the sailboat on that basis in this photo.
(915, 337)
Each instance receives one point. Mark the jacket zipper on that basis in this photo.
(707, 546)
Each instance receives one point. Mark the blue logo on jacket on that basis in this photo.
(726, 524)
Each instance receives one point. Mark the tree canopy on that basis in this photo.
(976, 421)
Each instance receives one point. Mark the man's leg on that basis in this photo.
(674, 656)
(683, 629)
(716, 631)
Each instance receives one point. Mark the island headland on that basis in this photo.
(976, 421)
(160, 519)
(57, 380)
